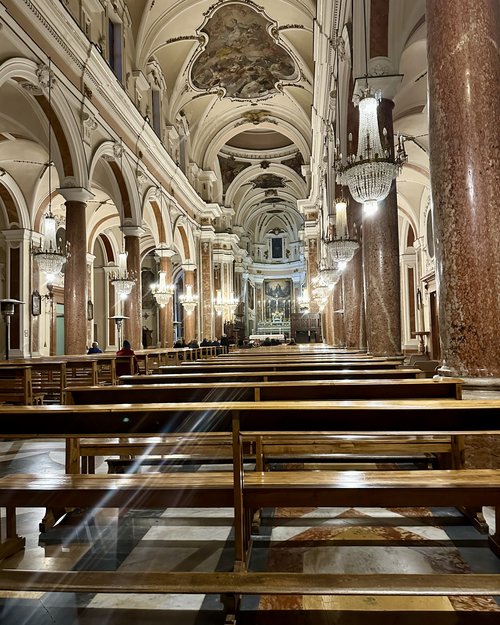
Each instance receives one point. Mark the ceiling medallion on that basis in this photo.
(239, 58)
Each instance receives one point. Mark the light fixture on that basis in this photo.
(121, 278)
(162, 291)
(340, 246)
(370, 171)
(225, 305)
(189, 300)
(49, 255)
(7, 309)
(119, 319)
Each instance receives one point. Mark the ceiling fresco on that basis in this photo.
(241, 59)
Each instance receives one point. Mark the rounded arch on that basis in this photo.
(64, 125)
(184, 240)
(226, 133)
(157, 216)
(126, 191)
(14, 203)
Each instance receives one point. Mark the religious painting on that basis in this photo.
(240, 58)
(269, 181)
(277, 300)
(230, 168)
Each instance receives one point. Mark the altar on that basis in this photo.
(263, 337)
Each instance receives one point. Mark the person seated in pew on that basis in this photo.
(180, 342)
(193, 344)
(94, 348)
(205, 342)
(122, 367)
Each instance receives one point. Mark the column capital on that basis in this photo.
(188, 265)
(22, 234)
(164, 252)
(75, 194)
(132, 231)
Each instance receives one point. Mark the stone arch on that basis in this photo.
(14, 203)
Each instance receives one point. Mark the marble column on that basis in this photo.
(207, 292)
(464, 138)
(354, 292)
(190, 317)
(132, 305)
(75, 271)
(166, 313)
(381, 266)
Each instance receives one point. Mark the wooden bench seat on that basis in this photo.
(218, 367)
(439, 388)
(248, 490)
(273, 449)
(16, 385)
(185, 375)
(249, 583)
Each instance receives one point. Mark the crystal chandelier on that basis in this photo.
(225, 305)
(121, 279)
(189, 300)
(50, 256)
(162, 291)
(370, 171)
(341, 248)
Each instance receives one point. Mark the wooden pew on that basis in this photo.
(473, 488)
(186, 375)
(16, 385)
(283, 366)
(272, 448)
(439, 388)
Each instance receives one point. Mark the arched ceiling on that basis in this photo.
(239, 75)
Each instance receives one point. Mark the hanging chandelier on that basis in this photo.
(49, 255)
(341, 247)
(162, 291)
(370, 170)
(189, 300)
(225, 305)
(121, 279)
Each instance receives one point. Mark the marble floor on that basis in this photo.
(438, 540)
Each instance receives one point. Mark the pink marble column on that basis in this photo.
(132, 306)
(75, 272)
(190, 318)
(354, 292)
(381, 266)
(464, 136)
(206, 290)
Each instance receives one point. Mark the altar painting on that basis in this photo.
(277, 303)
